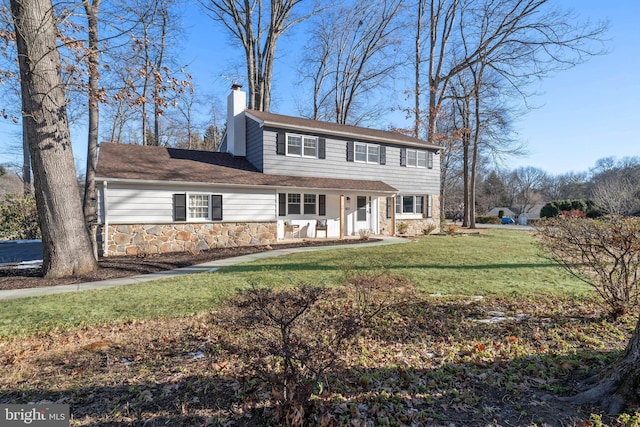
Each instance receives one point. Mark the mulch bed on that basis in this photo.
(124, 266)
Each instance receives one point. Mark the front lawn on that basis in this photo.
(496, 262)
(492, 334)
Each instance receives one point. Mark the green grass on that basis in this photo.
(500, 262)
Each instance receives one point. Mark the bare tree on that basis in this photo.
(508, 41)
(527, 182)
(90, 200)
(352, 55)
(257, 28)
(604, 253)
(517, 39)
(66, 244)
(616, 190)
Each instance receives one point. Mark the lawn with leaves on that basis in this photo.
(495, 262)
(501, 360)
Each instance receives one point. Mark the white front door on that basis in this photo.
(362, 214)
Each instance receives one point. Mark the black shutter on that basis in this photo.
(403, 157)
(322, 205)
(282, 204)
(350, 151)
(322, 148)
(180, 207)
(383, 155)
(281, 143)
(216, 207)
(430, 159)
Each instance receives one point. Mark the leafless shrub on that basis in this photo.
(604, 253)
(364, 233)
(296, 334)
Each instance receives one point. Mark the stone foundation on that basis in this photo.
(137, 239)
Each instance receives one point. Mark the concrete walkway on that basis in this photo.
(207, 267)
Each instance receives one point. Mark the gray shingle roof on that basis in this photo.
(146, 163)
(329, 128)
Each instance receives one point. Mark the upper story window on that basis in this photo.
(300, 145)
(292, 144)
(416, 158)
(366, 153)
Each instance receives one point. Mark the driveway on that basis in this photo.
(27, 252)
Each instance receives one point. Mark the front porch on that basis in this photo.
(337, 217)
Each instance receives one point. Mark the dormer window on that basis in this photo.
(301, 145)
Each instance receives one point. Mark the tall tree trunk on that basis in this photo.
(418, 71)
(90, 200)
(477, 79)
(66, 245)
(26, 161)
(465, 176)
(158, 67)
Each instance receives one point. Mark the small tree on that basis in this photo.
(604, 253)
(296, 334)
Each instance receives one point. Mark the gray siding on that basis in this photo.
(407, 180)
(254, 143)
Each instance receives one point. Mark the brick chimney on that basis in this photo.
(236, 136)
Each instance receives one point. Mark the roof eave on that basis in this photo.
(231, 185)
(353, 135)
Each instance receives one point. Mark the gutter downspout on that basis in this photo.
(105, 246)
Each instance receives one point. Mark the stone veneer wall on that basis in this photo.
(138, 239)
(414, 226)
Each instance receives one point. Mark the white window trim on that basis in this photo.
(367, 146)
(410, 215)
(302, 205)
(416, 153)
(302, 140)
(190, 218)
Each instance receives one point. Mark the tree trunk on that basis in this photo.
(26, 162)
(418, 71)
(66, 244)
(619, 384)
(90, 200)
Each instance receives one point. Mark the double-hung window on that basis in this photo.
(309, 204)
(373, 154)
(410, 204)
(310, 147)
(304, 146)
(293, 203)
(366, 153)
(422, 159)
(416, 159)
(411, 158)
(197, 207)
(306, 204)
(360, 152)
(294, 145)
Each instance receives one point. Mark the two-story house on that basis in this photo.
(275, 177)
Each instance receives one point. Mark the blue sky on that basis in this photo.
(593, 110)
(584, 114)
